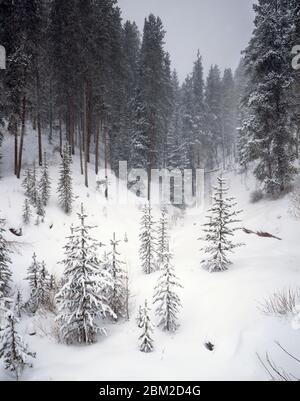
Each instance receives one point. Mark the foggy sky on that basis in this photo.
(220, 29)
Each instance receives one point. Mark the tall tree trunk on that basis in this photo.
(85, 136)
(50, 115)
(23, 118)
(106, 155)
(60, 136)
(16, 147)
(97, 146)
(38, 115)
(80, 149)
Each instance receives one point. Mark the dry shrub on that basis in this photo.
(281, 303)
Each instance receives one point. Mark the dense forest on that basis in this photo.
(77, 72)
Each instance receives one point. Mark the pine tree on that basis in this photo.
(27, 183)
(45, 182)
(26, 212)
(40, 210)
(65, 190)
(83, 298)
(163, 238)
(43, 286)
(34, 186)
(266, 129)
(13, 350)
(5, 272)
(33, 278)
(117, 296)
(218, 232)
(167, 300)
(146, 326)
(147, 239)
(139, 317)
(18, 305)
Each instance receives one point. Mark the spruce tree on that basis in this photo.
(117, 296)
(82, 300)
(27, 183)
(147, 329)
(13, 350)
(26, 212)
(33, 278)
(45, 182)
(267, 127)
(34, 186)
(219, 230)
(165, 296)
(147, 240)
(40, 210)
(163, 237)
(65, 189)
(18, 305)
(5, 272)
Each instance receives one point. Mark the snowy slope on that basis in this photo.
(222, 308)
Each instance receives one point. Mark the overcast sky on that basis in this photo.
(220, 29)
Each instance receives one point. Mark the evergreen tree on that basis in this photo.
(40, 210)
(228, 114)
(45, 182)
(219, 231)
(163, 237)
(27, 183)
(213, 92)
(65, 190)
(34, 186)
(18, 304)
(26, 211)
(83, 298)
(13, 350)
(5, 272)
(267, 126)
(33, 278)
(117, 296)
(167, 300)
(147, 240)
(147, 329)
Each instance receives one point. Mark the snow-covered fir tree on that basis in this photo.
(82, 301)
(43, 286)
(223, 217)
(5, 272)
(40, 209)
(139, 317)
(27, 183)
(163, 237)
(165, 296)
(65, 187)
(13, 350)
(117, 295)
(35, 283)
(147, 240)
(45, 182)
(34, 186)
(266, 135)
(18, 304)
(26, 212)
(147, 330)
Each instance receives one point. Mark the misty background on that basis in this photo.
(219, 29)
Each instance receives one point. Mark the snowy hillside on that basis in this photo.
(221, 308)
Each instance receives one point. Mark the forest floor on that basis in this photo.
(222, 308)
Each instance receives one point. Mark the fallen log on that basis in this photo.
(261, 234)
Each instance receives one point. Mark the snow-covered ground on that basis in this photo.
(222, 308)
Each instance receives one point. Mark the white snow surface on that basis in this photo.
(221, 308)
